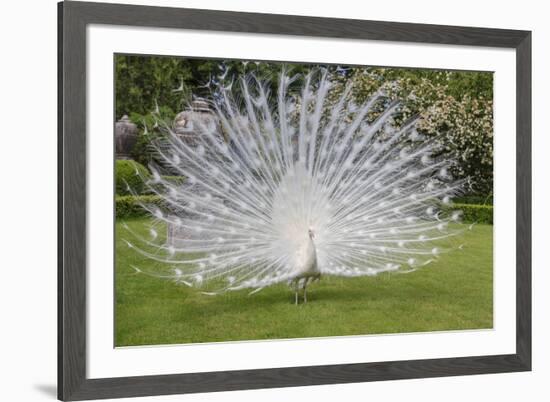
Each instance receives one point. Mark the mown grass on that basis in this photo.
(454, 293)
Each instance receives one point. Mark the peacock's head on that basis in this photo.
(310, 233)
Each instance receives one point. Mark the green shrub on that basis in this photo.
(129, 206)
(161, 188)
(175, 180)
(473, 213)
(132, 174)
(474, 199)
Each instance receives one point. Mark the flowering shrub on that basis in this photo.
(460, 117)
(467, 130)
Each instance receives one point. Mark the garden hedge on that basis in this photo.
(130, 173)
(473, 213)
(129, 206)
(173, 180)
(474, 199)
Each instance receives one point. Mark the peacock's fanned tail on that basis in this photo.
(371, 190)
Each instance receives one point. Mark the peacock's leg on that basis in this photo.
(305, 292)
(296, 288)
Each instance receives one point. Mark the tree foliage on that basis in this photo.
(455, 106)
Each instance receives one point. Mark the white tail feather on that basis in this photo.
(368, 191)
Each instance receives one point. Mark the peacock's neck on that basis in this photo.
(312, 251)
(312, 244)
(311, 237)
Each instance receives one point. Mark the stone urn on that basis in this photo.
(188, 125)
(126, 134)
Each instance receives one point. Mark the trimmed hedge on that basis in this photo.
(125, 175)
(473, 213)
(175, 180)
(129, 206)
(474, 199)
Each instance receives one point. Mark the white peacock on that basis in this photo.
(300, 189)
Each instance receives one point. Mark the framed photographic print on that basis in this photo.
(256, 201)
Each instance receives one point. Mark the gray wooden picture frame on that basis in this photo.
(73, 18)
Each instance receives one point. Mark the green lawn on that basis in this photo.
(454, 293)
